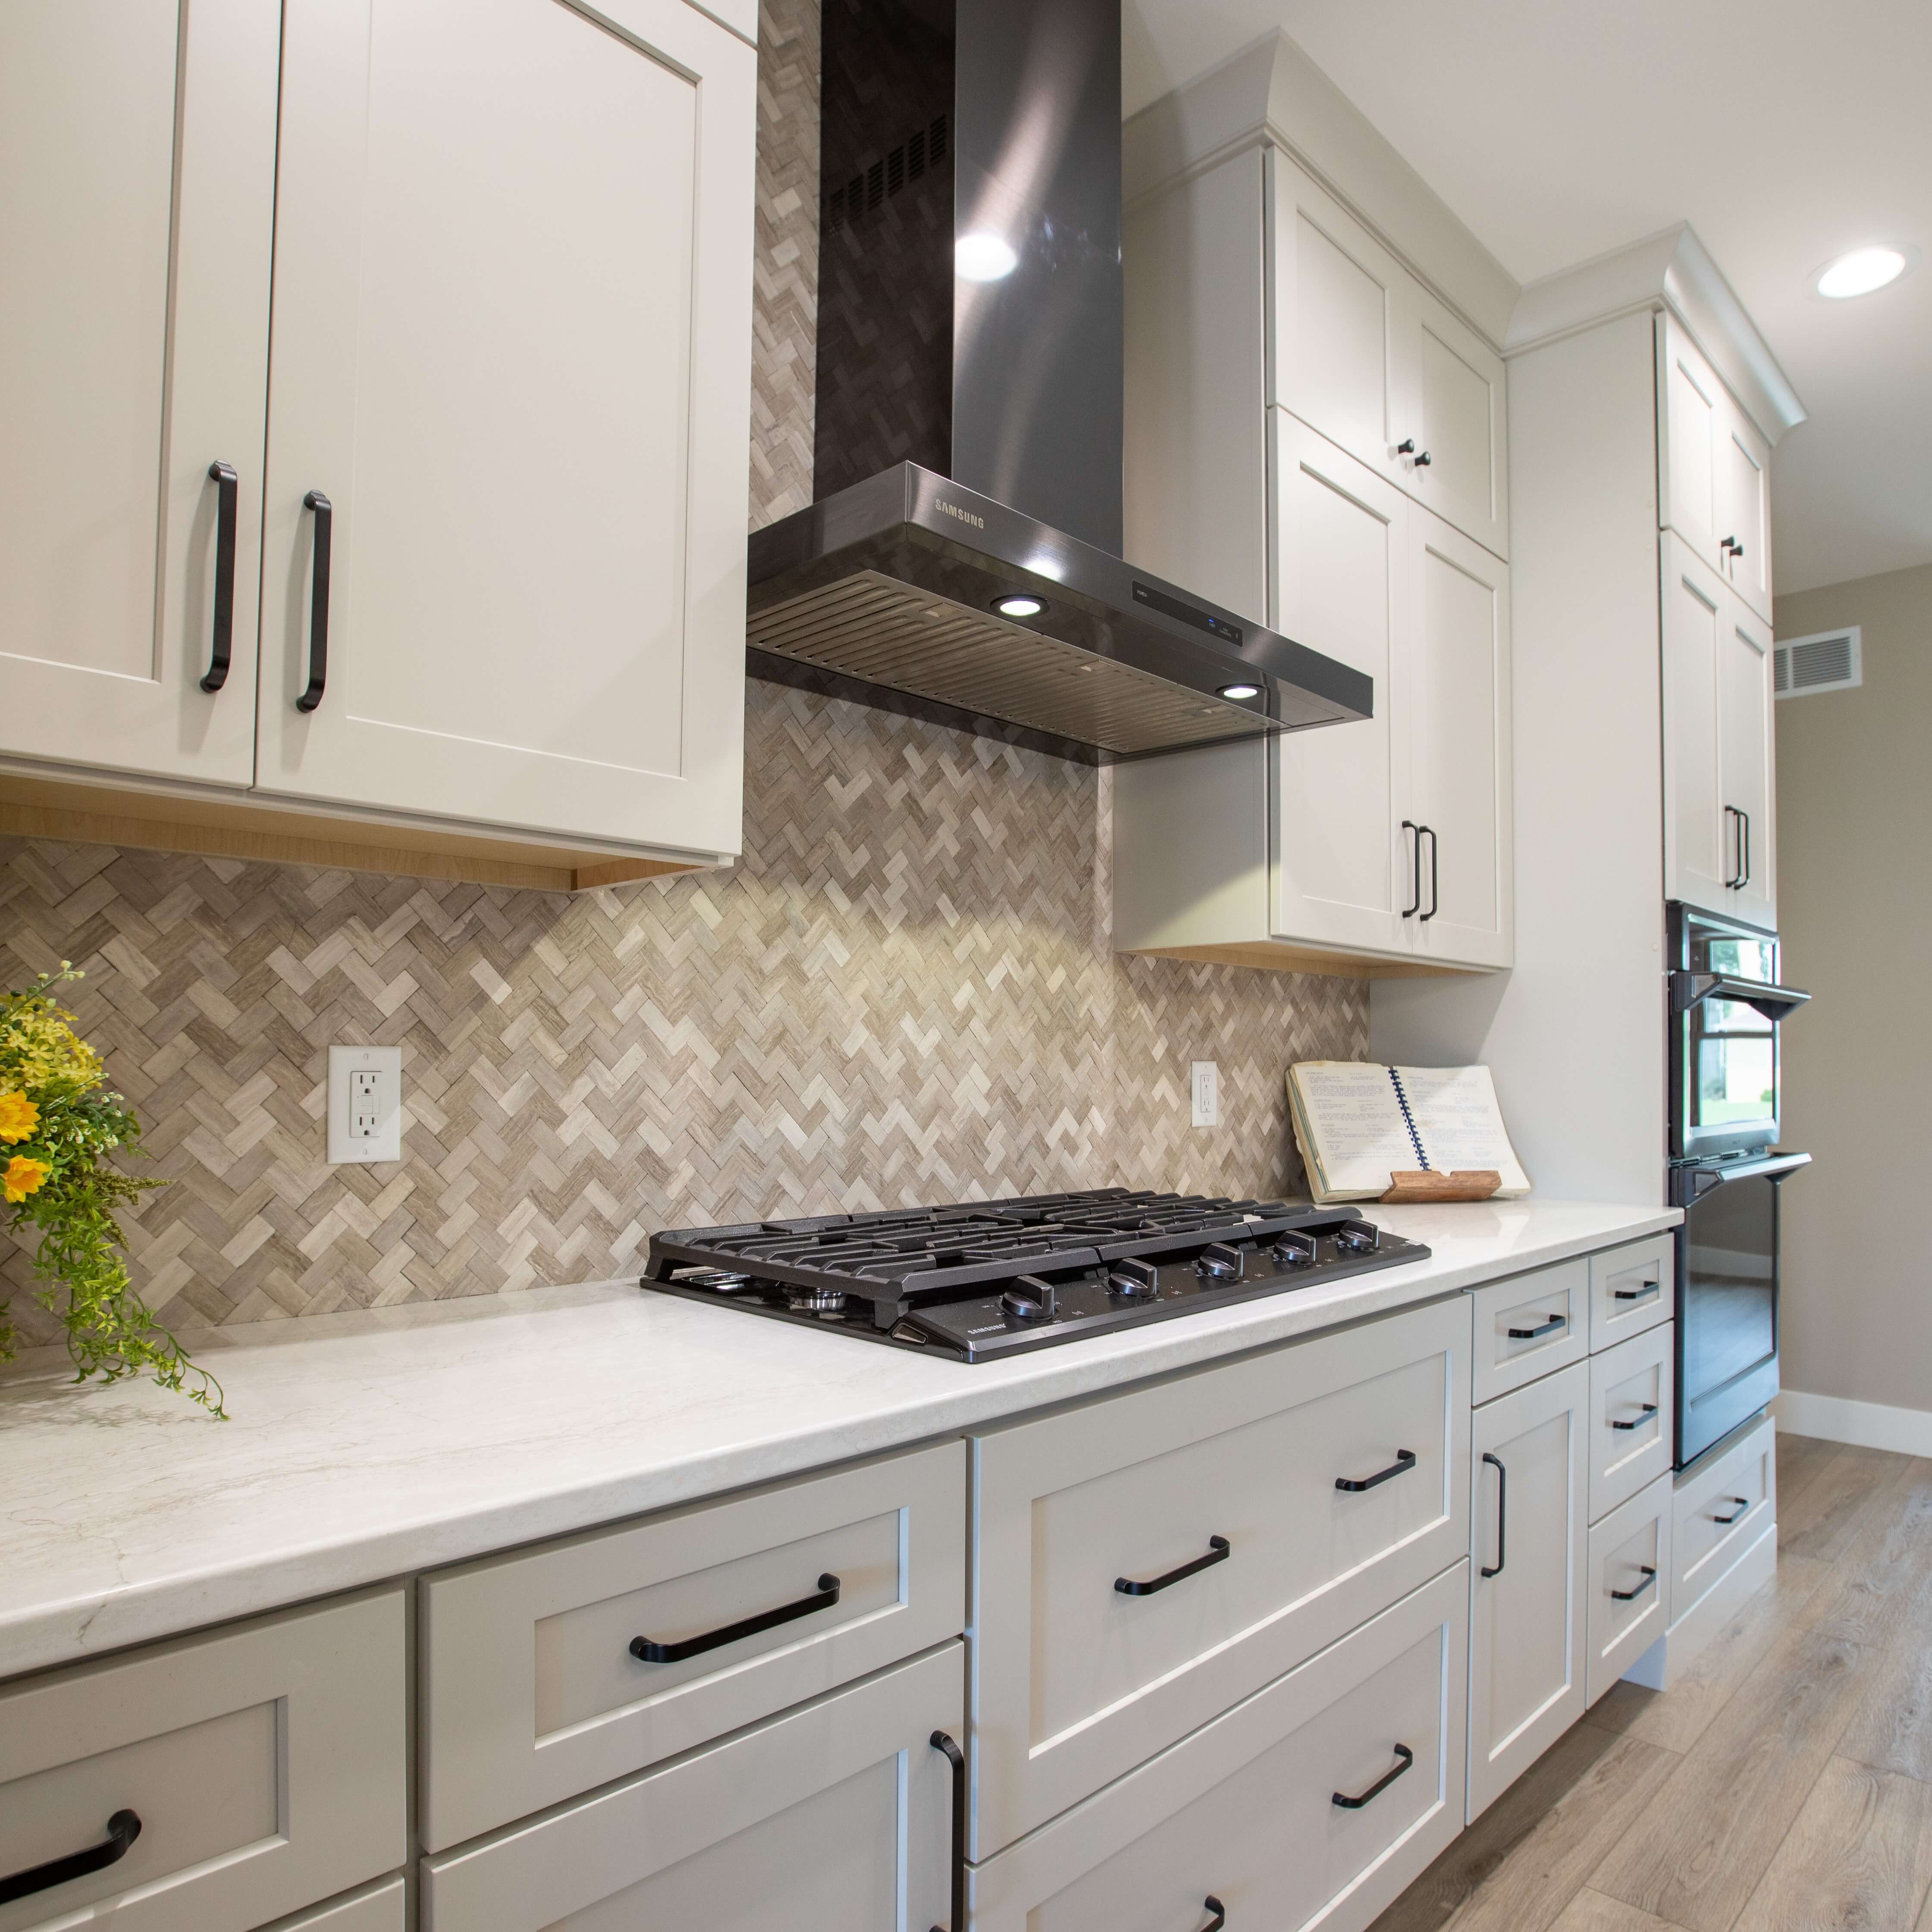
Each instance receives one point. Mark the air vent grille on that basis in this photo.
(1827, 660)
(925, 148)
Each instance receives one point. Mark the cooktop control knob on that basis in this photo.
(1358, 1238)
(1029, 1299)
(1219, 1261)
(1294, 1251)
(1133, 1280)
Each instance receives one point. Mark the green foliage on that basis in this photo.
(59, 1129)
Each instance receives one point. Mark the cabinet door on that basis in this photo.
(1529, 1487)
(1693, 409)
(1697, 853)
(1456, 704)
(1338, 301)
(1745, 751)
(1341, 867)
(513, 262)
(137, 168)
(1743, 508)
(1454, 413)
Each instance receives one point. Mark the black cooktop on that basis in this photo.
(997, 1277)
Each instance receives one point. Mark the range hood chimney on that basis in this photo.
(961, 561)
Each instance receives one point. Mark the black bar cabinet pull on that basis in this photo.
(1404, 1757)
(1637, 1421)
(1743, 1509)
(123, 1828)
(318, 602)
(1405, 1459)
(1435, 870)
(1642, 1294)
(1218, 1912)
(648, 1650)
(1742, 874)
(1219, 1550)
(1548, 1325)
(1744, 820)
(956, 1758)
(1410, 910)
(1495, 1569)
(222, 476)
(1649, 1578)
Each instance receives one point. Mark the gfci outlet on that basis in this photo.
(365, 1104)
(1204, 1084)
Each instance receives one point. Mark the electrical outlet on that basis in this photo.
(365, 1105)
(1204, 1086)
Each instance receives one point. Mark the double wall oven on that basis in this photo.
(1726, 1005)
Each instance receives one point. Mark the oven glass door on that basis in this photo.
(1730, 1084)
(1727, 1310)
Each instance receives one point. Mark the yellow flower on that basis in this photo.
(19, 1117)
(23, 1177)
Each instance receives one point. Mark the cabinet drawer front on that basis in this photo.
(1629, 1585)
(375, 1908)
(1632, 1288)
(266, 1765)
(1631, 1390)
(1075, 1679)
(1720, 1511)
(834, 1818)
(532, 1693)
(1529, 1326)
(1244, 1811)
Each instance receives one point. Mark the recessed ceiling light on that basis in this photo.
(981, 257)
(1860, 272)
(1019, 604)
(1238, 691)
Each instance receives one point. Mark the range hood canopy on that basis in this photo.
(969, 426)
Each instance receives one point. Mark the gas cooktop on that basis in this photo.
(998, 1277)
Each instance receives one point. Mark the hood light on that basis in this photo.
(1019, 604)
(1862, 272)
(1239, 691)
(981, 257)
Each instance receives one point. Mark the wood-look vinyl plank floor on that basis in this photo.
(1591, 1912)
(1800, 1458)
(1826, 1518)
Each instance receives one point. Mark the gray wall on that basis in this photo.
(1855, 858)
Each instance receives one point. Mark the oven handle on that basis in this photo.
(1773, 1003)
(1772, 1167)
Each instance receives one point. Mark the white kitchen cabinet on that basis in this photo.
(1628, 1584)
(1529, 1325)
(1529, 1487)
(137, 158)
(1632, 1288)
(1719, 806)
(1632, 1392)
(836, 1817)
(381, 1907)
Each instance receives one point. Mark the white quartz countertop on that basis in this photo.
(361, 1447)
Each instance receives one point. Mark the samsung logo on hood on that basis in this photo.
(954, 510)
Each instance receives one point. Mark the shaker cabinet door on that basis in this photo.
(1743, 508)
(1692, 410)
(505, 509)
(137, 168)
(1456, 420)
(1745, 752)
(1698, 852)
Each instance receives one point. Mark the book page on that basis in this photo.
(1460, 1123)
(1356, 1123)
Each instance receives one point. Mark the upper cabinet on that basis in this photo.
(493, 475)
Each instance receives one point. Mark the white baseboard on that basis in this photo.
(1866, 1425)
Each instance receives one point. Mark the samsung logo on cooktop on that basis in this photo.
(954, 510)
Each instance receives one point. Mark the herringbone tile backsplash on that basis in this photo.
(905, 992)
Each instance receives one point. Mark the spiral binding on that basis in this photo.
(1409, 1121)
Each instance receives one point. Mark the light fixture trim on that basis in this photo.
(1864, 271)
(1239, 691)
(983, 256)
(1019, 603)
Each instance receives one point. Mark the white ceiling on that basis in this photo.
(1785, 131)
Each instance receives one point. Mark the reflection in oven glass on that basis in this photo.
(1736, 1080)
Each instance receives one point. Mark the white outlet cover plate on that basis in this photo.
(1203, 1087)
(386, 1143)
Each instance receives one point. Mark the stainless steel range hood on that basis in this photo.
(968, 435)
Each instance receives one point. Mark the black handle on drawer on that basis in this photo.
(318, 602)
(1219, 1550)
(222, 648)
(1626, 1596)
(1743, 1509)
(1219, 1911)
(1642, 1294)
(648, 1650)
(1546, 1327)
(1637, 1422)
(1495, 1569)
(1405, 1459)
(1405, 1757)
(956, 1758)
(123, 1828)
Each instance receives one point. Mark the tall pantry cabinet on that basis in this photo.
(453, 551)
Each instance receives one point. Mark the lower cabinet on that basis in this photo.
(383, 1907)
(1529, 1489)
(1314, 1802)
(842, 1816)
(1629, 1584)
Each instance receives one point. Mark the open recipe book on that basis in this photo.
(1357, 1123)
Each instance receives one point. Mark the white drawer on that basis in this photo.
(1245, 1811)
(1631, 1387)
(1632, 1288)
(1219, 1496)
(1530, 1325)
(532, 1691)
(837, 1817)
(266, 1764)
(381, 1907)
(1722, 1508)
(1629, 1583)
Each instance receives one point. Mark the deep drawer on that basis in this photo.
(532, 1691)
(1629, 1585)
(382, 1907)
(266, 1764)
(1530, 1325)
(1631, 1391)
(1245, 1811)
(1076, 1678)
(1721, 1510)
(1632, 1288)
